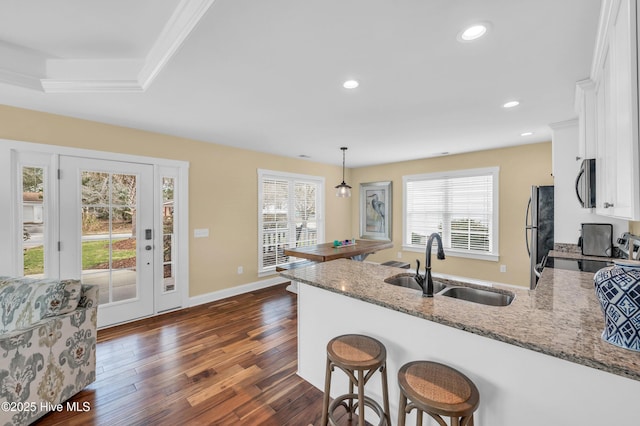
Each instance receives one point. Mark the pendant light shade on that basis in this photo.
(343, 190)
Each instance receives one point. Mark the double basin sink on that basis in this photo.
(469, 294)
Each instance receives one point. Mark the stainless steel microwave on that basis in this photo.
(586, 183)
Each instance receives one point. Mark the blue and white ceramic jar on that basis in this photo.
(618, 290)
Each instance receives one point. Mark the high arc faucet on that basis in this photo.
(426, 281)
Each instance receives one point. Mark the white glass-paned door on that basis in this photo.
(106, 233)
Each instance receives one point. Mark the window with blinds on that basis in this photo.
(290, 214)
(461, 206)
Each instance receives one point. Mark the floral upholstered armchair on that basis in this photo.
(47, 345)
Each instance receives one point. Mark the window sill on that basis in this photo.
(492, 257)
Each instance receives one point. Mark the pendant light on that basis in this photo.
(343, 190)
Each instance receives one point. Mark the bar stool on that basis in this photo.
(361, 355)
(437, 390)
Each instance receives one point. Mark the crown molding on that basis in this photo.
(90, 86)
(58, 75)
(184, 19)
(584, 88)
(564, 124)
(20, 79)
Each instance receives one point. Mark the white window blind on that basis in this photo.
(290, 214)
(461, 206)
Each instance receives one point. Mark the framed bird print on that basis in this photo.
(375, 211)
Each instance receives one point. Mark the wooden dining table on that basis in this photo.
(327, 251)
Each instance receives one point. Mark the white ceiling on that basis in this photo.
(266, 75)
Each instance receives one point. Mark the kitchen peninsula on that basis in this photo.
(539, 360)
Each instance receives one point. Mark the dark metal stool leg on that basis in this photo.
(360, 398)
(402, 407)
(351, 400)
(385, 393)
(327, 390)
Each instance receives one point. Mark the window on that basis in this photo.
(33, 220)
(461, 206)
(32, 245)
(168, 234)
(290, 214)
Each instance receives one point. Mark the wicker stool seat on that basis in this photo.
(437, 390)
(359, 357)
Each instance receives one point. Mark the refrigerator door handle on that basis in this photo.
(527, 227)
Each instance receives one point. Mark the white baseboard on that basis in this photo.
(234, 291)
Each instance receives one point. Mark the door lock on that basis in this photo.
(148, 248)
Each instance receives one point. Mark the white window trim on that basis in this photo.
(320, 180)
(494, 256)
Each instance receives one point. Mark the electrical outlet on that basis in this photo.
(240, 270)
(399, 255)
(503, 268)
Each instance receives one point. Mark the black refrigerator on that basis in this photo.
(539, 230)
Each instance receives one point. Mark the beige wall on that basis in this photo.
(520, 167)
(223, 194)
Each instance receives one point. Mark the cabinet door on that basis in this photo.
(605, 164)
(624, 94)
(617, 134)
(586, 109)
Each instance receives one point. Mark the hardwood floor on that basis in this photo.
(230, 362)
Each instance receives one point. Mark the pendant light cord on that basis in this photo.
(344, 150)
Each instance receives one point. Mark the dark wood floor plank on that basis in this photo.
(230, 362)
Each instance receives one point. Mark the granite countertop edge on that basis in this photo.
(542, 344)
(466, 327)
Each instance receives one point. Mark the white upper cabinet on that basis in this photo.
(585, 105)
(609, 119)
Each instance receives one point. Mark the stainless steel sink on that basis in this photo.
(469, 294)
(476, 295)
(407, 280)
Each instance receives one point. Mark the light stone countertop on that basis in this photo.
(561, 318)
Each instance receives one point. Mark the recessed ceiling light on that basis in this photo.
(511, 104)
(350, 84)
(526, 133)
(473, 32)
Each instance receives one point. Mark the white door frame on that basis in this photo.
(10, 242)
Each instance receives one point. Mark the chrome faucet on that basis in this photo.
(427, 290)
